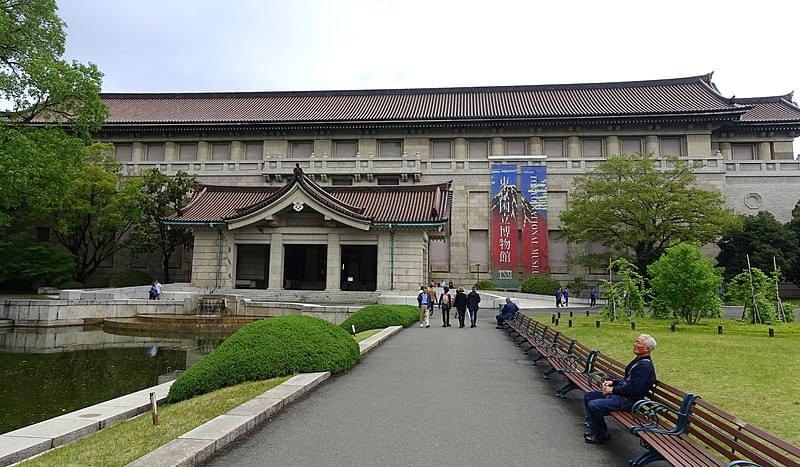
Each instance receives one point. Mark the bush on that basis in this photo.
(267, 349)
(130, 278)
(542, 285)
(485, 284)
(381, 316)
(70, 285)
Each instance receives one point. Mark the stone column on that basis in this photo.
(137, 153)
(764, 151)
(497, 148)
(333, 272)
(203, 150)
(170, 151)
(612, 146)
(573, 147)
(237, 150)
(535, 145)
(276, 261)
(725, 149)
(651, 146)
(460, 149)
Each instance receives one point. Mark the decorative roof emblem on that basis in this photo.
(298, 206)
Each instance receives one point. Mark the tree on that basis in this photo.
(46, 95)
(624, 298)
(98, 210)
(162, 196)
(631, 206)
(34, 263)
(793, 226)
(763, 238)
(756, 291)
(685, 284)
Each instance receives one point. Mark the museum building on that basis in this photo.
(387, 189)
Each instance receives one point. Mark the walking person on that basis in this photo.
(445, 303)
(424, 301)
(434, 299)
(592, 297)
(565, 296)
(473, 299)
(558, 297)
(461, 306)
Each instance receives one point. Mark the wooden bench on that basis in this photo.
(674, 426)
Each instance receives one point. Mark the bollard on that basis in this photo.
(597, 324)
(570, 324)
(559, 315)
(771, 332)
(633, 326)
(672, 327)
(719, 329)
(552, 319)
(154, 408)
(570, 314)
(587, 312)
(556, 321)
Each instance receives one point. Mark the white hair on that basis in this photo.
(648, 340)
(508, 299)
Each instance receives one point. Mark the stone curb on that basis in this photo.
(198, 445)
(31, 440)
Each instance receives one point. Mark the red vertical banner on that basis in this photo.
(503, 218)
(534, 222)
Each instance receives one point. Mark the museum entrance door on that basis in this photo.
(304, 267)
(359, 267)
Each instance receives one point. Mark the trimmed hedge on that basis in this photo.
(543, 285)
(485, 284)
(266, 349)
(381, 316)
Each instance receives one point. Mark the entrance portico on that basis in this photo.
(305, 237)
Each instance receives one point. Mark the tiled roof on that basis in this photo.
(771, 109)
(682, 96)
(378, 204)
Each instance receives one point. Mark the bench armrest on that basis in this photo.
(648, 415)
(742, 463)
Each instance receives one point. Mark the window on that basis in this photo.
(671, 146)
(743, 152)
(154, 151)
(345, 149)
(479, 249)
(554, 147)
(441, 150)
(187, 152)
(516, 147)
(592, 147)
(388, 180)
(345, 180)
(478, 149)
(220, 152)
(123, 152)
(439, 255)
(390, 149)
(631, 146)
(253, 150)
(302, 148)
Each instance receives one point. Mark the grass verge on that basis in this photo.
(360, 336)
(743, 371)
(126, 441)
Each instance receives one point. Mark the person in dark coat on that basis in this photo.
(592, 297)
(558, 297)
(621, 394)
(461, 306)
(472, 305)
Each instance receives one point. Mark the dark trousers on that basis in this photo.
(473, 315)
(558, 302)
(445, 315)
(598, 406)
(592, 301)
(501, 318)
(461, 312)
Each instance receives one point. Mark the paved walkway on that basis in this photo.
(434, 397)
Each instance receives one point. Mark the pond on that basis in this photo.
(49, 372)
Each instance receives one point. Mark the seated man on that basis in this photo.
(506, 313)
(640, 375)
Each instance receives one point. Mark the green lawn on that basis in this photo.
(742, 371)
(360, 336)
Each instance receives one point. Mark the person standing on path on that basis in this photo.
(473, 299)
(445, 302)
(424, 301)
(640, 376)
(461, 306)
(592, 297)
(434, 300)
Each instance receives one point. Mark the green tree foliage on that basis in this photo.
(97, 211)
(685, 285)
(36, 162)
(793, 271)
(34, 263)
(162, 196)
(625, 298)
(630, 205)
(763, 238)
(756, 291)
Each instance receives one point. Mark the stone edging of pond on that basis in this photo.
(199, 444)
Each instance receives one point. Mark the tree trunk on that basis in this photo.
(165, 257)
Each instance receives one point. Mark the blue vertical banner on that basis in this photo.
(533, 187)
(504, 226)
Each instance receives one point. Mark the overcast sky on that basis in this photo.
(251, 45)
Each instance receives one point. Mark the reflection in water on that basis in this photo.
(49, 372)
